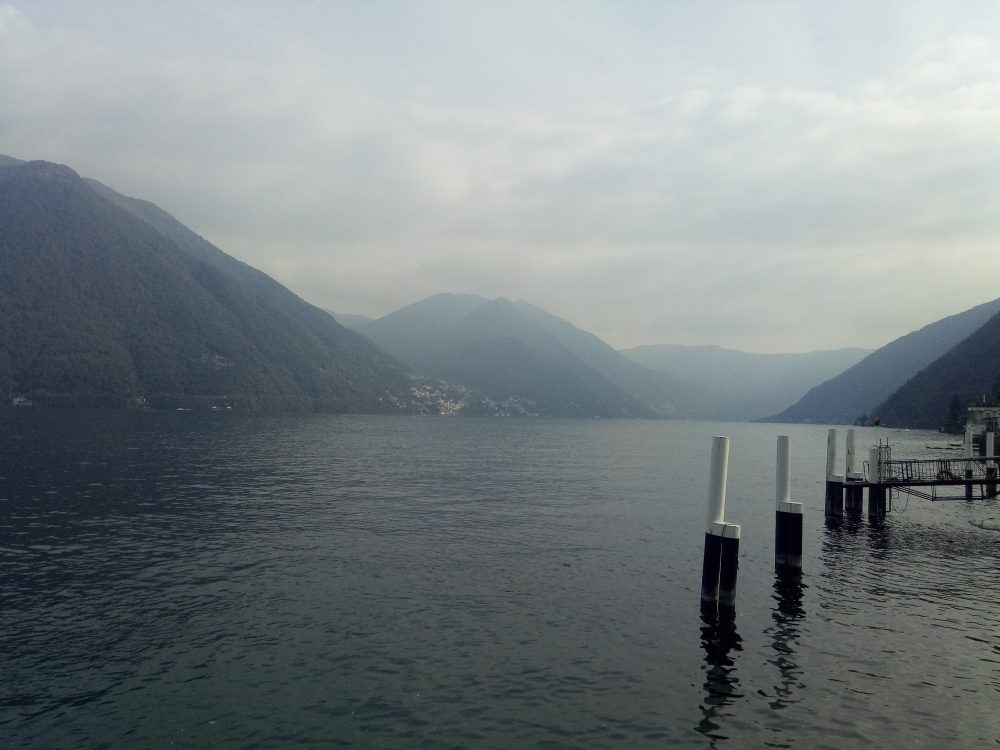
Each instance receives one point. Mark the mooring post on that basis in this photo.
(849, 466)
(854, 491)
(787, 515)
(876, 490)
(876, 501)
(834, 482)
(854, 499)
(729, 565)
(968, 463)
(991, 467)
(715, 524)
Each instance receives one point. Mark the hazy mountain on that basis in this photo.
(351, 321)
(962, 375)
(667, 395)
(105, 299)
(416, 331)
(743, 385)
(860, 389)
(505, 348)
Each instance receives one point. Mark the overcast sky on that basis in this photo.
(769, 176)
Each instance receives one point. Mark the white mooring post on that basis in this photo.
(715, 530)
(874, 470)
(851, 465)
(876, 490)
(787, 515)
(834, 482)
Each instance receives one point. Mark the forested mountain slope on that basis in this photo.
(937, 395)
(107, 300)
(858, 391)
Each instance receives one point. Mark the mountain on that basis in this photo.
(937, 395)
(108, 300)
(741, 385)
(859, 390)
(350, 321)
(507, 349)
(429, 326)
(668, 396)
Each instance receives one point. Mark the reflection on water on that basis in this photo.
(719, 638)
(922, 576)
(787, 614)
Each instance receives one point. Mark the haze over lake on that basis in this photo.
(567, 222)
(183, 579)
(765, 177)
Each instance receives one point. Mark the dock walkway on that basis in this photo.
(922, 477)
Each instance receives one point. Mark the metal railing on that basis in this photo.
(933, 471)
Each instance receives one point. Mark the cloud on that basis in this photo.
(599, 163)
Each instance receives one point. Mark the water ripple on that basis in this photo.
(303, 581)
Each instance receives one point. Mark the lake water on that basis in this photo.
(221, 580)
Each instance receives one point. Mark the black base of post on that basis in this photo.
(710, 572)
(876, 501)
(968, 487)
(795, 541)
(853, 499)
(991, 487)
(787, 540)
(780, 539)
(728, 570)
(834, 497)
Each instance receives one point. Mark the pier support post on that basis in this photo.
(854, 499)
(968, 464)
(851, 456)
(876, 501)
(729, 565)
(787, 515)
(715, 525)
(991, 467)
(876, 490)
(834, 505)
(853, 489)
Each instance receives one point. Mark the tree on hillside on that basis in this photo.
(956, 415)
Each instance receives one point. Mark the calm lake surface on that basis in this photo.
(221, 580)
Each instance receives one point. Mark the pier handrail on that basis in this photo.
(927, 470)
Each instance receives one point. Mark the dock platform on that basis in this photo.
(934, 479)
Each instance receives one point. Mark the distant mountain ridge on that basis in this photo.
(502, 348)
(108, 300)
(471, 339)
(742, 385)
(859, 390)
(962, 375)
(351, 321)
